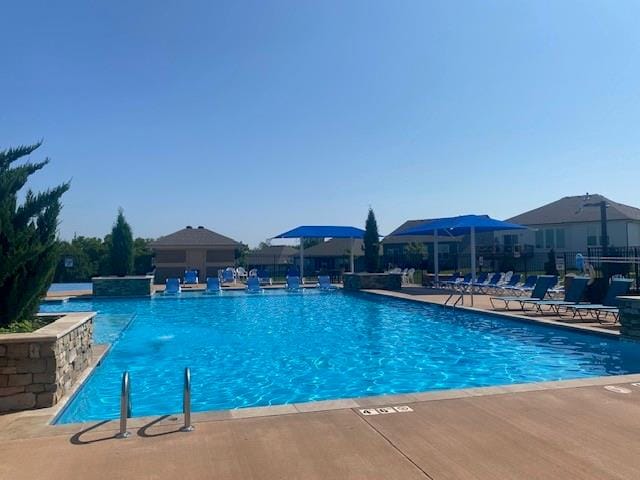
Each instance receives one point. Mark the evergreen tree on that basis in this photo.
(28, 246)
(121, 249)
(371, 243)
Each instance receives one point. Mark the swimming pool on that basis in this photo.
(278, 348)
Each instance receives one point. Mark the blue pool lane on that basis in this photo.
(277, 348)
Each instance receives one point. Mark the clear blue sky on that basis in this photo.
(254, 117)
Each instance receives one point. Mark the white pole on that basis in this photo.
(351, 263)
(473, 260)
(436, 265)
(301, 260)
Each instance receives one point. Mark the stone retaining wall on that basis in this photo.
(37, 369)
(139, 286)
(372, 281)
(629, 317)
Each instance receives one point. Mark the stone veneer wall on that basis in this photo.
(629, 317)
(37, 369)
(140, 286)
(373, 281)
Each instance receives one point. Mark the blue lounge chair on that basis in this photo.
(491, 283)
(467, 284)
(572, 296)
(213, 285)
(528, 285)
(543, 284)
(229, 275)
(190, 277)
(609, 305)
(513, 281)
(253, 285)
(293, 283)
(446, 283)
(264, 277)
(172, 286)
(324, 283)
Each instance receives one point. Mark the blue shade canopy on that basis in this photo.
(322, 231)
(462, 225)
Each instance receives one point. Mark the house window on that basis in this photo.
(548, 238)
(560, 241)
(592, 236)
(539, 238)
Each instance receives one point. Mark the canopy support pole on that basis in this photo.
(473, 261)
(351, 262)
(436, 265)
(302, 259)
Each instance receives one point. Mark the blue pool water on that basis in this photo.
(70, 287)
(277, 348)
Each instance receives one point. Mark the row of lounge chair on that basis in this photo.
(293, 283)
(495, 283)
(572, 301)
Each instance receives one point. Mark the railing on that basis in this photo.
(126, 408)
(125, 405)
(186, 401)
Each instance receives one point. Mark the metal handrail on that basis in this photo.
(125, 405)
(186, 401)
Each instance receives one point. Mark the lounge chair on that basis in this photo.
(512, 282)
(324, 283)
(172, 286)
(543, 284)
(229, 275)
(253, 285)
(491, 283)
(467, 284)
(264, 277)
(609, 305)
(213, 285)
(456, 277)
(190, 277)
(293, 283)
(572, 296)
(528, 286)
(241, 273)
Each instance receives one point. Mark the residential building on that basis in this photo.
(396, 248)
(333, 256)
(567, 225)
(193, 249)
(273, 258)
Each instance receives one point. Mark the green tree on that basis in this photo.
(310, 242)
(371, 243)
(28, 245)
(121, 251)
(142, 256)
(415, 252)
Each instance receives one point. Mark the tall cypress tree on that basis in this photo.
(371, 243)
(121, 252)
(28, 245)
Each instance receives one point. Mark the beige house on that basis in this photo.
(193, 249)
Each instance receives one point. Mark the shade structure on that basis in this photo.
(462, 225)
(322, 231)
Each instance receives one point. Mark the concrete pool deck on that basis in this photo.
(556, 433)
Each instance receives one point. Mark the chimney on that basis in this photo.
(189, 227)
(200, 227)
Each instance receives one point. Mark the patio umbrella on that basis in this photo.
(322, 231)
(457, 226)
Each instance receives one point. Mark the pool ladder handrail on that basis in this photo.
(186, 402)
(460, 299)
(125, 405)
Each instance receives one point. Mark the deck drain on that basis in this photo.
(613, 388)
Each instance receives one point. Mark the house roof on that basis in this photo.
(278, 254)
(571, 210)
(393, 237)
(195, 237)
(336, 247)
